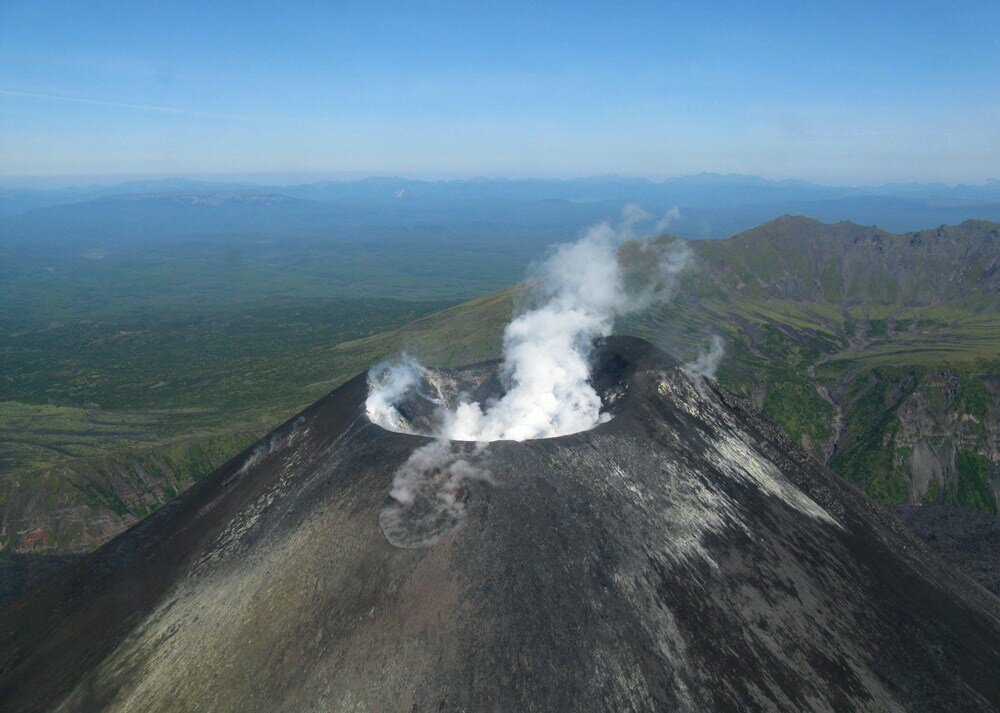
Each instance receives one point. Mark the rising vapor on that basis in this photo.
(579, 291)
(706, 363)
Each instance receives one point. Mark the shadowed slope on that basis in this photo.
(684, 555)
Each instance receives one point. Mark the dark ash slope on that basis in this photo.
(962, 537)
(684, 555)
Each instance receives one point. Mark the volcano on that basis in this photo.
(683, 554)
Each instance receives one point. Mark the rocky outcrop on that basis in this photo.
(924, 437)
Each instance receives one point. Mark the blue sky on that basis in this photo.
(832, 92)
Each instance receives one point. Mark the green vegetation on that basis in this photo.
(974, 396)
(225, 358)
(972, 488)
(872, 423)
(124, 380)
(793, 403)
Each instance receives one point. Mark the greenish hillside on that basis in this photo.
(879, 352)
(201, 390)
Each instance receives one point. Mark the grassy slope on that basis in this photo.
(103, 420)
(818, 330)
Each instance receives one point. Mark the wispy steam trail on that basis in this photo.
(428, 494)
(707, 362)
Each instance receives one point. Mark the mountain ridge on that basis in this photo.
(711, 205)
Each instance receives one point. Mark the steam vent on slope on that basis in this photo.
(681, 555)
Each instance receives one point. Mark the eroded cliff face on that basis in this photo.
(952, 446)
(922, 437)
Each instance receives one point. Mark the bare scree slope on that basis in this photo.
(683, 554)
(586, 524)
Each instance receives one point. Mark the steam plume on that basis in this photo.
(388, 383)
(707, 362)
(580, 289)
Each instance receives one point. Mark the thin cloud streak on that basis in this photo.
(139, 107)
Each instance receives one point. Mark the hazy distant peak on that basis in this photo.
(204, 197)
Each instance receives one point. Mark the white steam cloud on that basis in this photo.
(388, 383)
(580, 289)
(707, 362)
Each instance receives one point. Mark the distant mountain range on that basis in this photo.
(710, 205)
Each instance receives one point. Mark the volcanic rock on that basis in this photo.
(684, 555)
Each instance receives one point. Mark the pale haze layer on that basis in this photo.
(828, 92)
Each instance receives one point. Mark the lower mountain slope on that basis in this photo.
(879, 353)
(685, 555)
(964, 538)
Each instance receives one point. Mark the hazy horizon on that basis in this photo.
(846, 94)
(57, 182)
